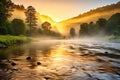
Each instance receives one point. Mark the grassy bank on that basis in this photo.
(6, 41)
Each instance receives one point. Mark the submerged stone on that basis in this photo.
(28, 58)
(38, 63)
(13, 64)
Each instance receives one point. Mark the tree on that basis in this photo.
(92, 28)
(72, 32)
(84, 29)
(18, 27)
(3, 30)
(31, 19)
(46, 26)
(113, 23)
(9, 28)
(101, 24)
(6, 7)
(117, 31)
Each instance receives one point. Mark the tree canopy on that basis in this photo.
(18, 27)
(102, 26)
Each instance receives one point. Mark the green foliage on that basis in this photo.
(18, 27)
(101, 23)
(108, 27)
(9, 28)
(46, 30)
(6, 7)
(84, 29)
(6, 41)
(113, 23)
(92, 28)
(3, 30)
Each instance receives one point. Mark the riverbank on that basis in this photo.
(7, 40)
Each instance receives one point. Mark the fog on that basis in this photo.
(60, 59)
(82, 40)
(64, 26)
(75, 22)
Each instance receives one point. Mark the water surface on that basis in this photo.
(61, 60)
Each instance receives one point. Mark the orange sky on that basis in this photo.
(63, 9)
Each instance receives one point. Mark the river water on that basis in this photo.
(61, 60)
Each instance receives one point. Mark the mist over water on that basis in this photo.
(68, 59)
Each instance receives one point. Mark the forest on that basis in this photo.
(102, 26)
(28, 27)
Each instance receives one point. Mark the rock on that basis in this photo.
(38, 63)
(46, 77)
(13, 64)
(71, 47)
(28, 58)
(118, 73)
(106, 52)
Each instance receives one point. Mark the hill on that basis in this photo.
(92, 15)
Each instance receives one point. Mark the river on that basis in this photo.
(61, 60)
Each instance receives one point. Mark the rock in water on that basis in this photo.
(46, 78)
(38, 63)
(28, 58)
(106, 52)
(13, 64)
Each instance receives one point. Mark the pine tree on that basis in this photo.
(31, 19)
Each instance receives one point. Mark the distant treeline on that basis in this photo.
(102, 27)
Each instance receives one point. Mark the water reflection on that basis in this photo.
(50, 56)
(59, 58)
(11, 52)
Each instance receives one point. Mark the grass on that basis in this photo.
(7, 40)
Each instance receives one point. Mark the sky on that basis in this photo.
(60, 10)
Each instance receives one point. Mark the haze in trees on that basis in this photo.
(72, 32)
(102, 26)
